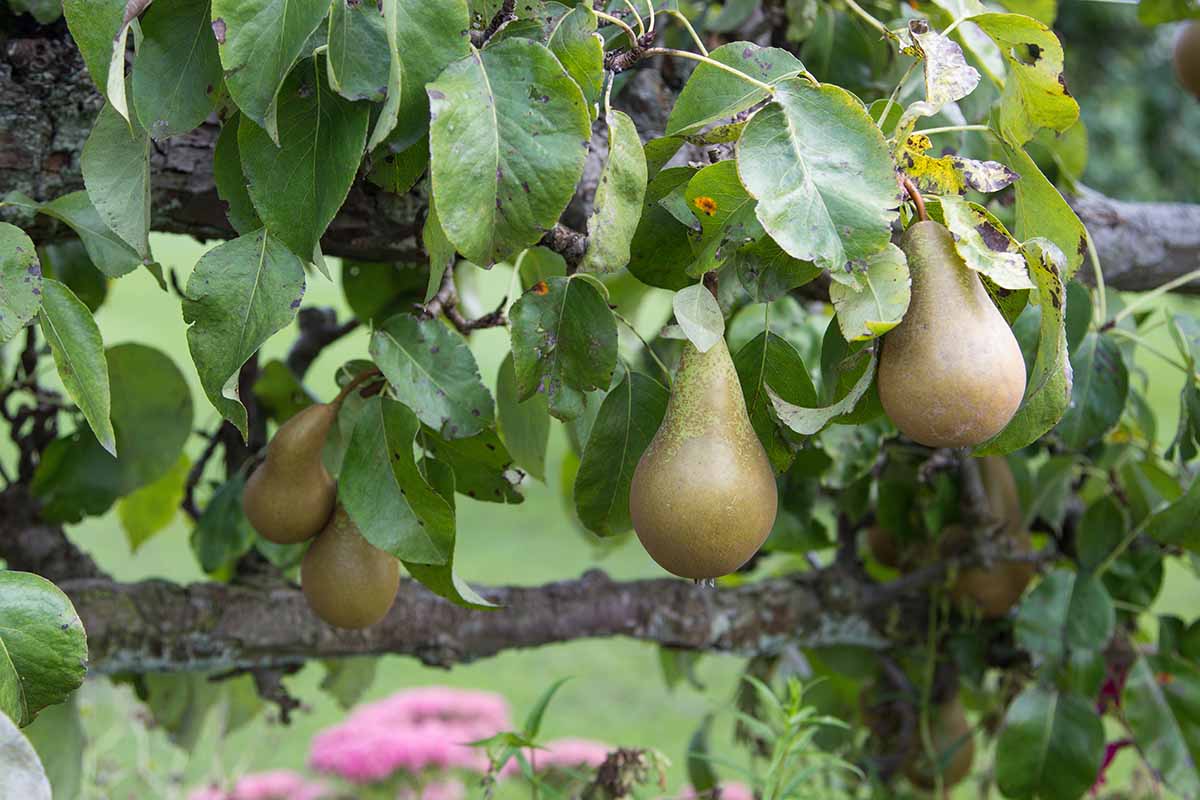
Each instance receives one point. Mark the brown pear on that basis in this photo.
(703, 497)
(290, 496)
(953, 745)
(1187, 57)
(951, 373)
(347, 581)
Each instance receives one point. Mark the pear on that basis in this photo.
(951, 373)
(953, 744)
(347, 581)
(703, 497)
(1187, 57)
(290, 496)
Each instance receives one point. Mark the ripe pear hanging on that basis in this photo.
(703, 497)
(951, 373)
(290, 496)
(953, 744)
(347, 581)
(1187, 57)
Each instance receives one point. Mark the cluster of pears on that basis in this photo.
(703, 497)
(951, 373)
(993, 591)
(291, 498)
(1187, 57)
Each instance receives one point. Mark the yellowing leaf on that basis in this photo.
(948, 76)
(984, 243)
(950, 174)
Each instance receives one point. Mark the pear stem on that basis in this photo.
(355, 382)
(918, 201)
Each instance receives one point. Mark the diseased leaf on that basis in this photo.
(21, 281)
(78, 351)
(821, 207)
(524, 426)
(177, 71)
(483, 469)
(880, 302)
(769, 361)
(298, 186)
(628, 419)
(1042, 212)
(619, 196)
(984, 244)
(711, 93)
(949, 174)
(508, 139)
(725, 210)
(948, 76)
(258, 42)
(431, 370)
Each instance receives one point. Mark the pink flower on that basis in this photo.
(433, 703)
(371, 752)
(277, 785)
(562, 754)
(729, 791)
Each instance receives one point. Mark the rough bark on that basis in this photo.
(48, 102)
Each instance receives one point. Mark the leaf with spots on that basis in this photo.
(712, 94)
(431, 370)
(617, 205)
(1042, 212)
(108, 252)
(627, 421)
(948, 76)
(508, 139)
(385, 493)
(483, 469)
(298, 185)
(725, 209)
(984, 243)
(1048, 389)
(240, 294)
(564, 343)
(822, 174)
(949, 174)
(1035, 91)
(20, 281)
(880, 302)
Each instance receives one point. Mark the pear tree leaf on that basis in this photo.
(108, 252)
(699, 315)
(299, 184)
(483, 470)
(397, 171)
(95, 25)
(628, 419)
(431, 35)
(116, 171)
(1035, 91)
(818, 207)
(1156, 12)
(767, 272)
(442, 255)
(524, 426)
(231, 181)
(21, 281)
(581, 50)
(78, 351)
(1066, 612)
(1099, 392)
(358, 60)
(389, 114)
(808, 420)
(617, 205)
(985, 244)
(384, 492)
(1048, 389)
(348, 679)
(1042, 212)
(770, 362)
(564, 343)
(44, 640)
(949, 174)
(879, 303)
(1051, 745)
(177, 70)
(725, 210)
(661, 249)
(712, 94)
(508, 139)
(240, 294)
(259, 41)
(1176, 523)
(24, 776)
(1160, 707)
(948, 76)
(150, 509)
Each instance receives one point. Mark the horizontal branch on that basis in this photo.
(48, 103)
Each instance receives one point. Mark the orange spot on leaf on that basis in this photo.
(540, 288)
(706, 204)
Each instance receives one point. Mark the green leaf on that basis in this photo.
(1156, 12)
(177, 70)
(94, 26)
(377, 290)
(108, 252)
(533, 721)
(1051, 746)
(1065, 612)
(431, 370)
(298, 187)
(151, 509)
(826, 210)
(67, 262)
(1048, 390)
(1162, 717)
(259, 41)
(564, 343)
(508, 139)
(879, 303)
(386, 495)
(348, 679)
(398, 171)
(78, 352)
(240, 293)
(231, 181)
(431, 35)
(24, 776)
(770, 361)
(12, 698)
(21, 281)
(711, 93)
(482, 468)
(44, 11)
(699, 315)
(1042, 212)
(524, 426)
(699, 762)
(1035, 92)
(580, 49)
(44, 639)
(1100, 531)
(984, 243)
(661, 248)
(58, 737)
(628, 419)
(442, 255)
(808, 420)
(389, 113)
(222, 533)
(620, 194)
(116, 170)
(1176, 524)
(768, 273)
(716, 197)
(359, 56)
(1099, 392)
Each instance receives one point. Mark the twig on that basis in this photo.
(319, 328)
(355, 382)
(569, 244)
(197, 472)
(446, 302)
(634, 39)
(620, 60)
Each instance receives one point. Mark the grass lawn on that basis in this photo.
(616, 693)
